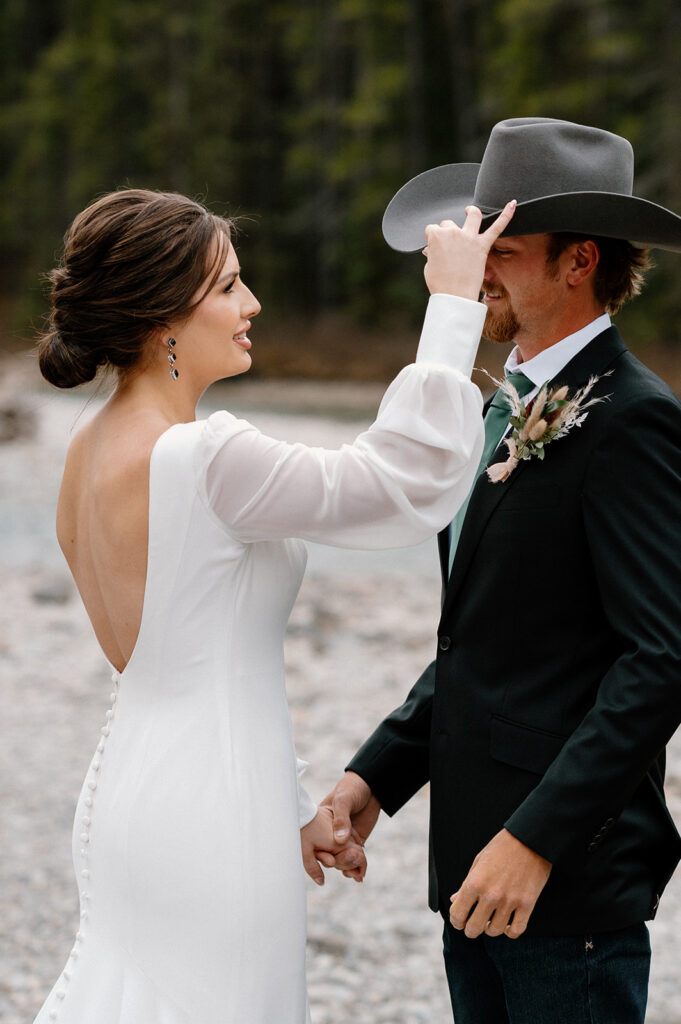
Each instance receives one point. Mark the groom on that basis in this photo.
(542, 722)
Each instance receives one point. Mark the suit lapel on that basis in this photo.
(594, 359)
(443, 550)
(484, 499)
(444, 537)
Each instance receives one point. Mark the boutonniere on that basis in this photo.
(548, 417)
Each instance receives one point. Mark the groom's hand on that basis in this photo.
(318, 846)
(355, 812)
(500, 890)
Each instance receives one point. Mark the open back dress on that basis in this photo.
(186, 841)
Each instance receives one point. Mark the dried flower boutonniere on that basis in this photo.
(550, 416)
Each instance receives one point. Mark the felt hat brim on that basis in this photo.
(443, 193)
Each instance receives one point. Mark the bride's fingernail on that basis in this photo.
(341, 834)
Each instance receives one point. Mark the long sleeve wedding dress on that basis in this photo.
(186, 838)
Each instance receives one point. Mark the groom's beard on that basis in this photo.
(500, 327)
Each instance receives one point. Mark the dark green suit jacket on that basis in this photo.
(557, 681)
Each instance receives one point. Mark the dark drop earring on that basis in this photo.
(172, 358)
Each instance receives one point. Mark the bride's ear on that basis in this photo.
(159, 338)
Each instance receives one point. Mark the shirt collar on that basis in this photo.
(545, 365)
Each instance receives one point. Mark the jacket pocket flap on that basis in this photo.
(523, 746)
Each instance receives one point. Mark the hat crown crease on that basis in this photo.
(531, 158)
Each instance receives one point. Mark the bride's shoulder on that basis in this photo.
(219, 427)
(109, 457)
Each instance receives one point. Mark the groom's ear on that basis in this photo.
(581, 260)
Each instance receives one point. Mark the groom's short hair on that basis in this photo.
(621, 266)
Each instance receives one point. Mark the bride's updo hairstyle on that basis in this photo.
(133, 263)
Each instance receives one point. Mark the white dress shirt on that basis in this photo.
(547, 364)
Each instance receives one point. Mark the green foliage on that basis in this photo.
(304, 118)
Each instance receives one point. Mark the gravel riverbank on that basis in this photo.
(360, 633)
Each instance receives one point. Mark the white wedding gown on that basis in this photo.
(186, 839)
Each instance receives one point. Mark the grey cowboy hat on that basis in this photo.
(565, 176)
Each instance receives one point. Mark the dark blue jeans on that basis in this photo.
(589, 979)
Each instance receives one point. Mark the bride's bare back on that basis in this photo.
(103, 523)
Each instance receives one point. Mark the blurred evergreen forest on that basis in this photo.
(303, 117)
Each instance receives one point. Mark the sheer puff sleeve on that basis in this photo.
(397, 484)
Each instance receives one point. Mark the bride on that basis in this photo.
(185, 539)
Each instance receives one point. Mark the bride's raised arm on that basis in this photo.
(403, 478)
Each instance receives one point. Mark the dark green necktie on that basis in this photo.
(496, 423)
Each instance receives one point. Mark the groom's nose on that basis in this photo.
(489, 271)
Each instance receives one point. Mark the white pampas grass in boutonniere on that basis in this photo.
(550, 416)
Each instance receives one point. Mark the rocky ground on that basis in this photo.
(360, 633)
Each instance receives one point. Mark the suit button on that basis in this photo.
(444, 643)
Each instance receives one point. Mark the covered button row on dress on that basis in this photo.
(84, 836)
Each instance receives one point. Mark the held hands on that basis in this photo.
(354, 806)
(318, 844)
(456, 257)
(352, 810)
(355, 811)
(500, 890)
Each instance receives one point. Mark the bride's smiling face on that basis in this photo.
(213, 342)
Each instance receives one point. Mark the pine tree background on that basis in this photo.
(302, 119)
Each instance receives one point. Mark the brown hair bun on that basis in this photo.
(133, 262)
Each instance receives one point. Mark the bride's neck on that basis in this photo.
(154, 389)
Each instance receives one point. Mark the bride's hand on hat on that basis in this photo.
(456, 257)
